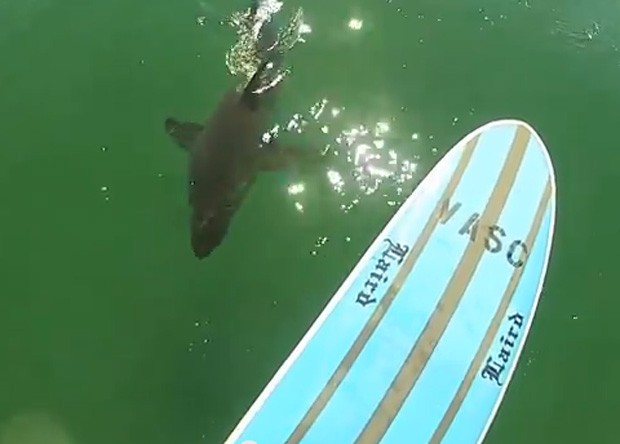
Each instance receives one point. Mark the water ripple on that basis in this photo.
(364, 158)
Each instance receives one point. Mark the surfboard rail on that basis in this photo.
(422, 338)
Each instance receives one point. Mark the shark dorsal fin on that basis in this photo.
(183, 133)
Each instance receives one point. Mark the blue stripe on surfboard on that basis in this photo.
(281, 411)
(448, 365)
(371, 375)
(483, 395)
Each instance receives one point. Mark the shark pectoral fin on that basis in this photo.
(276, 158)
(184, 133)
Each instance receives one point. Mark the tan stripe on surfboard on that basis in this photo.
(487, 341)
(382, 307)
(412, 368)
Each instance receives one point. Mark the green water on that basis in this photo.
(111, 332)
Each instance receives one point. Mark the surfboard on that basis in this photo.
(419, 343)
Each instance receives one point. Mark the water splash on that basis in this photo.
(578, 37)
(245, 56)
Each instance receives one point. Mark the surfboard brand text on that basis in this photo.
(517, 251)
(394, 253)
(495, 365)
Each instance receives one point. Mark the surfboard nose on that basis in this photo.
(436, 312)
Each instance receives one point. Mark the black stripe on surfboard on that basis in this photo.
(500, 313)
(382, 307)
(420, 353)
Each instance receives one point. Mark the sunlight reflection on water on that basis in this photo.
(364, 158)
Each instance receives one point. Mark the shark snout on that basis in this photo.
(208, 232)
(203, 243)
(201, 249)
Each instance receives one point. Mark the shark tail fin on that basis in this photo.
(251, 93)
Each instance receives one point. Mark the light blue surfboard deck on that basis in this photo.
(420, 342)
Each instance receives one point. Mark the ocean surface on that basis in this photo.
(112, 332)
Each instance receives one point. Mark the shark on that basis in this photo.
(227, 152)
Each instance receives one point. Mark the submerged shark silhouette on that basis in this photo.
(225, 156)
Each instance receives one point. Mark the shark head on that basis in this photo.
(208, 230)
(212, 213)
